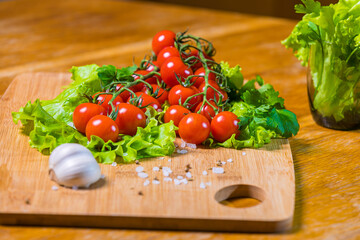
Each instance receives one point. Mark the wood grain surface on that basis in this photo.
(54, 35)
(26, 195)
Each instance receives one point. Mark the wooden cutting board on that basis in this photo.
(29, 197)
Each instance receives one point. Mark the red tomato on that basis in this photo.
(173, 67)
(179, 92)
(103, 127)
(104, 99)
(129, 118)
(162, 94)
(166, 53)
(146, 100)
(210, 93)
(207, 110)
(224, 125)
(151, 68)
(84, 112)
(194, 128)
(151, 80)
(199, 80)
(175, 113)
(163, 39)
(125, 94)
(196, 63)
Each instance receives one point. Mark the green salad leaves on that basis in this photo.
(49, 123)
(328, 40)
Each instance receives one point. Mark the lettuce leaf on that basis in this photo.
(49, 124)
(328, 40)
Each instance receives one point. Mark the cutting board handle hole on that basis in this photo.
(240, 196)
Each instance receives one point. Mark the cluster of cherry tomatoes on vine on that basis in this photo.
(181, 73)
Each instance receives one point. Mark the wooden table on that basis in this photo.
(55, 35)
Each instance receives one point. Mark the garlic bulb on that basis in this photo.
(73, 165)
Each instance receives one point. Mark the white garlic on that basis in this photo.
(72, 164)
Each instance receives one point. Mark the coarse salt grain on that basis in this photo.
(184, 181)
(218, 170)
(139, 169)
(114, 164)
(143, 175)
(156, 169)
(204, 173)
(166, 174)
(167, 179)
(156, 181)
(223, 163)
(191, 145)
(161, 158)
(54, 188)
(167, 169)
(202, 185)
(183, 151)
(229, 160)
(188, 175)
(183, 143)
(243, 153)
(147, 182)
(177, 181)
(180, 177)
(169, 160)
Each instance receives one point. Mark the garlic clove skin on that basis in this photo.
(73, 165)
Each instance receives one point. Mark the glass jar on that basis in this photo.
(350, 119)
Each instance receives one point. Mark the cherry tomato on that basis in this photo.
(129, 118)
(224, 125)
(179, 92)
(103, 127)
(104, 99)
(151, 68)
(175, 113)
(199, 80)
(172, 68)
(163, 39)
(162, 94)
(166, 53)
(125, 94)
(151, 80)
(207, 110)
(196, 63)
(210, 93)
(84, 112)
(146, 100)
(194, 128)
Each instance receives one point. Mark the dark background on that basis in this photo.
(275, 8)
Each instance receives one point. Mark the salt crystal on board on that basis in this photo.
(139, 169)
(143, 175)
(218, 170)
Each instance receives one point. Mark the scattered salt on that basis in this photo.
(208, 183)
(143, 175)
(147, 182)
(188, 175)
(191, 145)
(177, 181)
(167, 169)
(169, 160)
(167, 179)
(204, 173)
(223, 163)
(229, 160)
(218, 170)
(114, 164)
(139, 169)
(156, 169)
(156, 181)
(202, 185)
(243, 153)
(183, 143)
(180, 177)
(184, 181)
(161, 158)
(166, 174)
(54, 188)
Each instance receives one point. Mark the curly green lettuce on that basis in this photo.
(327, 38)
